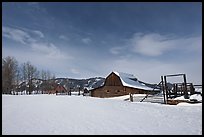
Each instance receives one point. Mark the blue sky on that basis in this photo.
(82, 40)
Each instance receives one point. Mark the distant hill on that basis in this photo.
(68, 83)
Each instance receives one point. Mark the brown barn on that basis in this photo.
(118, 84)
(57, 88)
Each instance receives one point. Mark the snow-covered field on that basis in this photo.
(51, 114)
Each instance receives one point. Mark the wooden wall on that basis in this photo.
(113, 80)
(59, 89)
(113, 87)
(114, 91)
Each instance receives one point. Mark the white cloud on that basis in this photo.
(86, 40)
(23, 36)
(17, 35)
(49, 50)
(63, 37)
(39, 33)
(154, 44)
(116, 50)
(192, 44)
(151, 70)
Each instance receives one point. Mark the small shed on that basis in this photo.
(57, 88)
(119, 83)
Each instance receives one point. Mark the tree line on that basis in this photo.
(14, 74)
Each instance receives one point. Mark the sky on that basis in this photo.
(92, 39)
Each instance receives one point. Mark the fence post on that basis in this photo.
(163, 90)
(131, 97)
(185, 87)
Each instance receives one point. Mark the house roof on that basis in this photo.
(129, 80)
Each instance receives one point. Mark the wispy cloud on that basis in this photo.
(63, 37)
(154, 44)
(17, 35)
(151, 44)
(86, 40)
(39, 33)
(33, 33)
(25, 36)
(49, 50)
(117, 50)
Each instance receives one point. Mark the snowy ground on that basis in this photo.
(51, 114)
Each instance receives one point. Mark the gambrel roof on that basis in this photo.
(129, 80)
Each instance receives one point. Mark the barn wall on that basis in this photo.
(51, 92)
(60, 89)
(113, 87)
(113, 80)
(108, 91)
(114, 91)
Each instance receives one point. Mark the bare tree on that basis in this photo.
(17, 79)
(43, 75)
(9, 71)
(13, 76)
(29, 73)
(48, 75)
(24, 76)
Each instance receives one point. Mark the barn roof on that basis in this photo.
(130, 80)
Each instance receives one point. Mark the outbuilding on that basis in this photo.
(57, 89)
